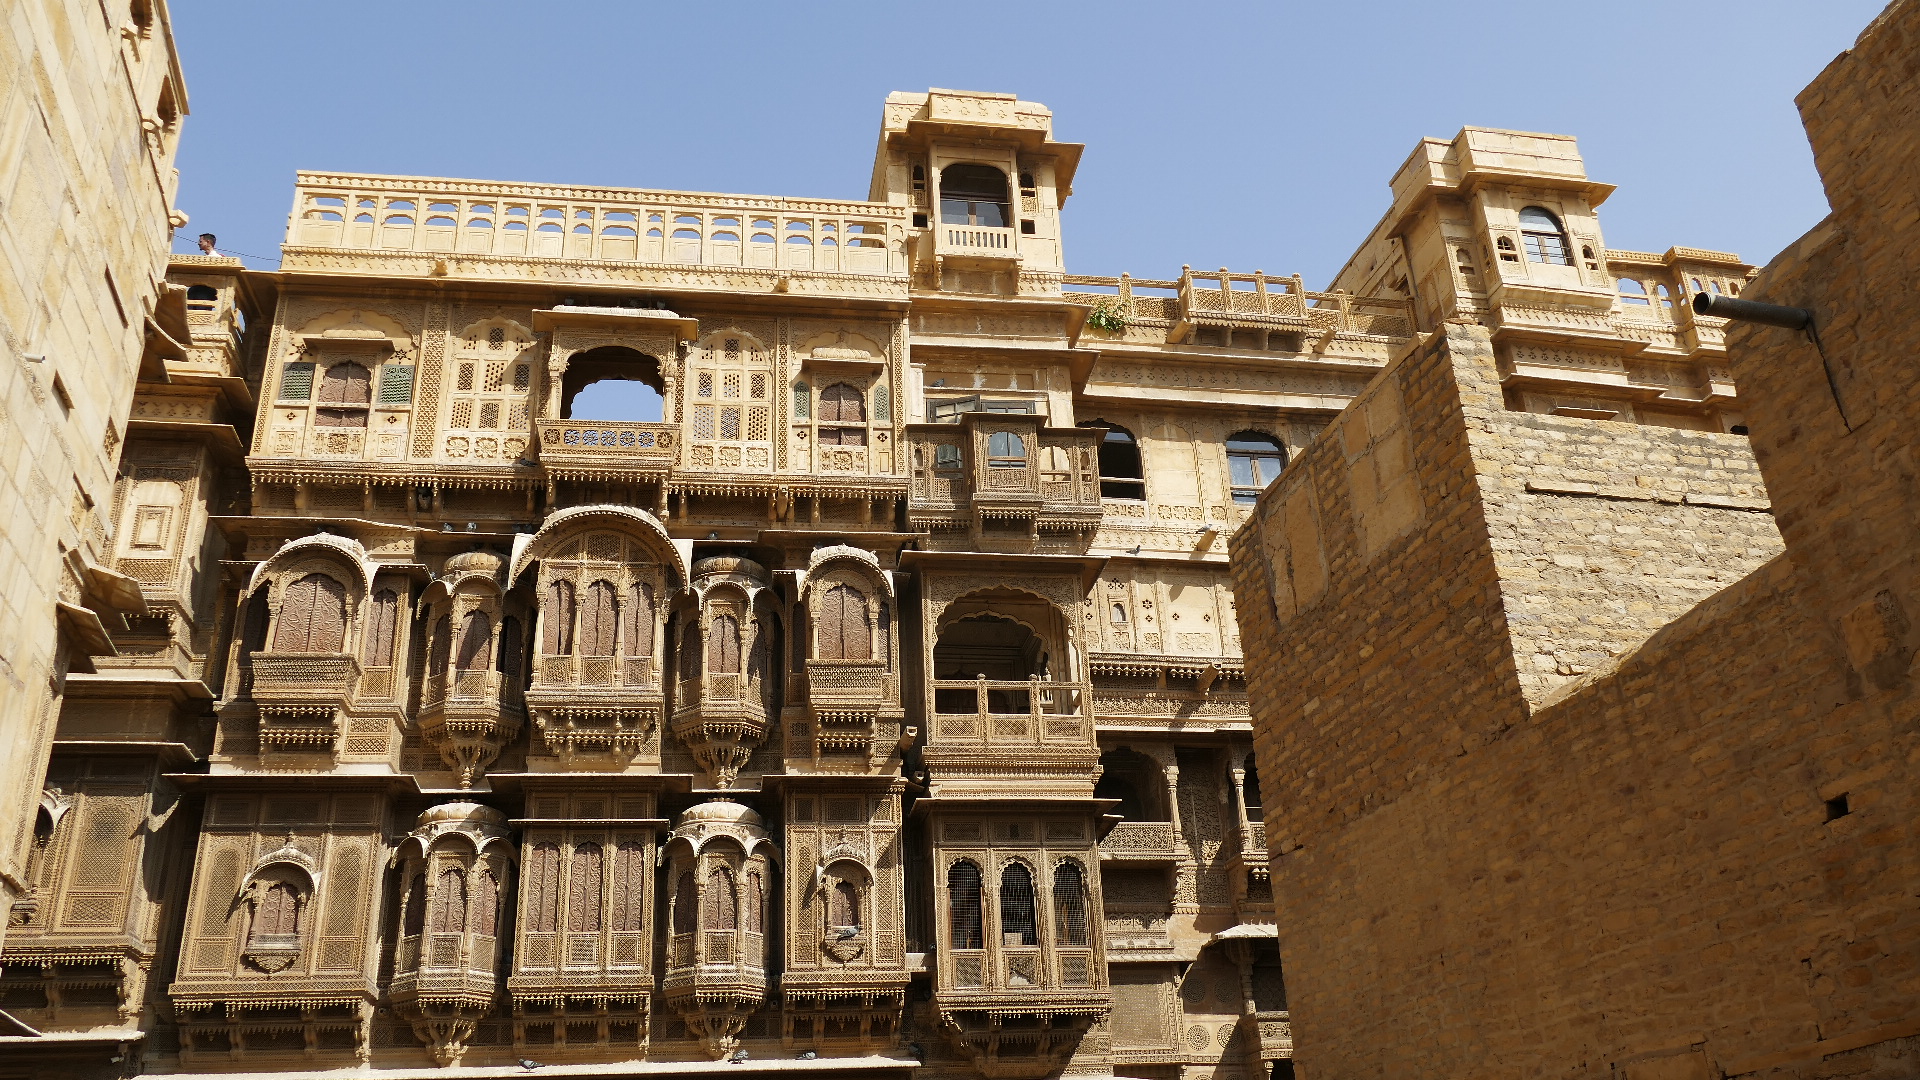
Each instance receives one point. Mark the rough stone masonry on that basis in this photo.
(1592, 766)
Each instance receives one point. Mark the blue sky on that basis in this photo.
(1252, 136)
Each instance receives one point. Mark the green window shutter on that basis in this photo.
(396, 384)
(296, 382)
(802, 401)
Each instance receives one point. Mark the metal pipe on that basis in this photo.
(1727, 307)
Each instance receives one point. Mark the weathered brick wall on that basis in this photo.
(1515, 835)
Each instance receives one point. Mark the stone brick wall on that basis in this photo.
(1546, 803)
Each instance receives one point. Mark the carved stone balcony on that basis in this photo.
(1006, 467)
(1141, 842)
(854, 705)
(1275, 1033)
(468, 716)
(596, 704)
(301, 698)
(722, 719)
(1019, 1034)
(983, 730)
(607, 449)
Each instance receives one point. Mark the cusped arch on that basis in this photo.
(477, 335)
(562, 525)
(837, 557)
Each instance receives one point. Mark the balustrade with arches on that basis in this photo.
(454, 869)
(471, 704)
(720, 880)
(726, 665)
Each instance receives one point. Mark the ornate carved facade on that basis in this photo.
(875, 691)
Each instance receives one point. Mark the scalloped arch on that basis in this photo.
(353, 324)
(826, 558)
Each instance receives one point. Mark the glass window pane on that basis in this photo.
(1240, 469)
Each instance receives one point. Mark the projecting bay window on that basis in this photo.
(973, 195)
(1545, 240)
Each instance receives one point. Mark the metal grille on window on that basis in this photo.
(1070, 904)
(1016, 905)
(296, 382)
(396, 384)
(963, 906)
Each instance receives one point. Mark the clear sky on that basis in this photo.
(1246, 135)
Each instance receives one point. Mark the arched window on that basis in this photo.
(629, 888)
(486, 903)
(973, 195)
(313, 616)
(1254, 460)
(842, 404)
(690, 651)
(449, 903)
(476, 641)
(383, 617)
(345, 392)
(843, 906)
(599, 620)
(640, 618)
(1546, 241)
(842, 631)
(963, 906)
(413, 922)
(1632, 292)
(723, 645)
(276, 915)
(440, 645)
(686, 905)
(1504, 246)
(1006, 450)
(1070, 904)
(1016, 904)
(1118, 615)
(583, 889)
(1120, 470)
(558, 616)
(718, 906)
(543, 888)
(751, 898)
(1666, 298)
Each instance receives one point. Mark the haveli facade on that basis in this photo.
(882, 700)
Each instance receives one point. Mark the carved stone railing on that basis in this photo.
(1056, 477)
(1275, 1031)
(1007, 714)
(468, 716)
(1140, 841)
(721, 719)
(841, 685)
(596, 704)
(301, 697)
(978, 241)
(1255, 300)
(483, 221)
(606, 449)
(1169, 703)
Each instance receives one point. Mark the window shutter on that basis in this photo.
(449, 903)
(415, 920)
(629, 888)
(690, 651)
(511, 661)
(751, 899)
(686, 904)
(381, 622)
(476, 635)
(723, 645)
(718, 904)
(296, 381)
(640, 631)
(583, 889)
(600, 621)
(396, 384)
(440, 645)
(829, 633)
(557, 639)
(346, 384)
(544, 888)
(486, 903)
(313, 616)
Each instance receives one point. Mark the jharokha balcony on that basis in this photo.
(301, 698)
(1006, 467)
(596, 704)
(850, 700)
(469, 716)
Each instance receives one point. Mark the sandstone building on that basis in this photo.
(91, 102)
(587, 625)
(1597, 751)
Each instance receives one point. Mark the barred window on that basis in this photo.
(1016, 905)
(1070, 904)
(963, 906)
